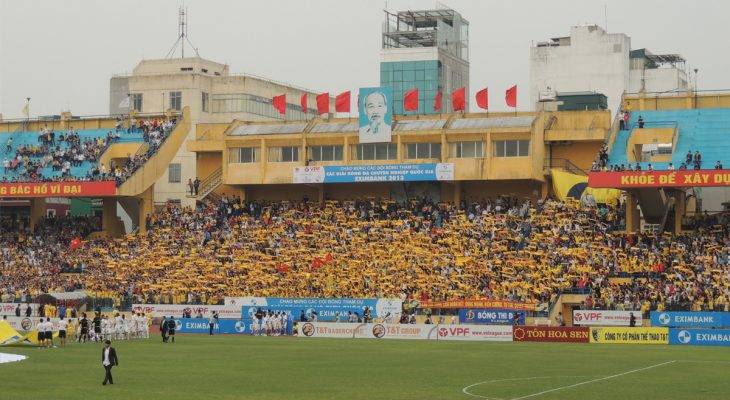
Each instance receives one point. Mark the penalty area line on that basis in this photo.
(592, 380)
(465, 390)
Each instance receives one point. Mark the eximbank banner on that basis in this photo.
(326, 309)
(680, 319)
(700, 337)
(374, 173)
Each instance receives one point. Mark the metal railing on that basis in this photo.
(210, 183)
(565, 164)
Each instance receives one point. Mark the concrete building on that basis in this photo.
(213, 94)
(590, 59)
(428, 50)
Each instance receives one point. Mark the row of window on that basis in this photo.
(382, 151)
(175, 101)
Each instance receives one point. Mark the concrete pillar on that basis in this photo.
(457, 192)
(544, 189)
(320, 193)
(146, 207)
(680, 202)
(110, 222)
(399, 149)
(37, 212)
(632, 213)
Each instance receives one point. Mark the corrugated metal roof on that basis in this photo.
(330, 127)
(268, 129)
(420, 125)
(501, 122)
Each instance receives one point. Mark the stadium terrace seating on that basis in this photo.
(21, 139)
(706, 130)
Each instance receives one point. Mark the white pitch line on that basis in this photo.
(592, 380)
(465, 390)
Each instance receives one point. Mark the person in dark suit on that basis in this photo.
(109, 359)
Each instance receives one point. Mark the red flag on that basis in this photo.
(410, 100)
(323, 103)
(437, 101)
(75, 243)
(483, 98)
(282, 268)
(303, 102)
(328, 258)
(458, 99)
(317, 263)
(342, 102)
(511, 96)
(279, 103)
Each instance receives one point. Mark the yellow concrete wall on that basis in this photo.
(208, 163)
(59, 125)
(674, 101)
(581, 154)
(648, 136)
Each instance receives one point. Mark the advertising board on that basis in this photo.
(700, 337)
(490, 317)
(605, 317)
(691, 319)
(574, 334)
(640, 335)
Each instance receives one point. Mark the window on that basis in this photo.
(423, 150)
(137, 102)
(284, 154)
(236, 103)
(204, 101)
(245, 155)
(176, 101)
(511, 148)
(325, 153)
(466, 149)
(173, 173)
(375, 151)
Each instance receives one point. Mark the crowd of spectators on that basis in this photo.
(27, 162)
(499, 249)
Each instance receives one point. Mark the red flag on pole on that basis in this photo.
(483, 98)
(410, 100)
(303, 102)
(458, 99)
(437, 101)
(342, 102)
(323, 103)
(279, 103)
(511, 96)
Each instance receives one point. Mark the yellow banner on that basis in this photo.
(567, 185)
(8, 335)
(638, 335)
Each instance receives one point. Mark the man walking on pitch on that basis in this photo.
(108, 360)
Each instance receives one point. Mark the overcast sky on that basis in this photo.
(62, 53)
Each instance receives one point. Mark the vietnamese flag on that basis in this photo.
(510, 96)
(75, 243)
(328, 258)
(458, 99)
(323, 103)
(437, 101)
(342, 102)
(483, 99)
(282, 268)
(303, 102)
(317, 263)
(410, 100)
(279, 103)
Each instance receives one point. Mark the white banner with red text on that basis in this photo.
(195, 310)
(606, 318)
(405, 331)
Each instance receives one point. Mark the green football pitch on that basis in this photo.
(236, 367)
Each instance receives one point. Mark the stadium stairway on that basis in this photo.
(136, 194)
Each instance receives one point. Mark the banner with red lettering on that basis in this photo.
(58, 189)
(483, 303)
(575, 334)
(604, 317)
(496, 333)
(649, 179)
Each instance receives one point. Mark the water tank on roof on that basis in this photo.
(579, 101)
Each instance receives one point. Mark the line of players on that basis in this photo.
(269, 323)
(98, 329)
